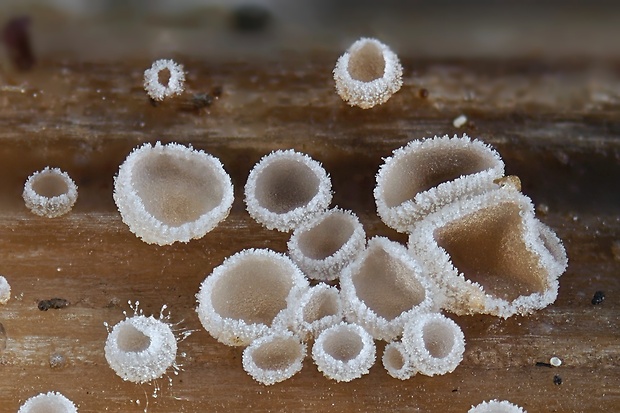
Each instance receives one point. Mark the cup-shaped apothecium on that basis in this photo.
(50, 193)
(170, 193)
(384, 287)
(318, 308)
(239, 301)
(397, 362)
(163, 79)
(489, 254)
(368, 74)
(286, 188)
(426, 175)
(496, 406)
(275, 357)
(325, 245)
(50, 402)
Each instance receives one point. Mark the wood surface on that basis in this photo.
(555, 122)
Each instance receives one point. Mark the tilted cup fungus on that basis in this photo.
(50, 402)
(318, 308)
(169, 193)
(50, 193)
(383, 288)
(286, 188)
(160, 69)
(368, 74)
(239, 301)
(496, 406)
(397, 361)
(489, 254)
(325, 245)
(435, 344)
(426, 175)
(344, 352)
(274, 358)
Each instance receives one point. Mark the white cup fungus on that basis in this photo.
(172, 193)
(325, 245)
(239, 301)
(367, 74)
(50, 193)
(384, 287)
(397, 361)
(426, 175)
(274, 358)
(5, 290)
(344, 352)
(435, 344)
(159, 70)
(496, 406)
(50, 402)
(318, 308)
(286, 188)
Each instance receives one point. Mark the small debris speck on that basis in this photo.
(542, 364)
(598, 298)
(459, 121)
(57, 360)
(557, 380)
(555, 361)
(423, 93)
(54, 303)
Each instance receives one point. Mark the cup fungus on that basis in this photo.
(239, 301)
(489, 254)
(344, 352)
(383, 288)
(169, 193)
(50, 193)
(397, 361)
(496, 406)
(435, 344)
(50, 402)
(274, 358)
(425, 175)
(367, 74)
(140, 349)
(155, 85)
(5, 290)
(286, 188)
(318, 308)
(325, 245)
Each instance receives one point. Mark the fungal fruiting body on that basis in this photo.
(5, 290)
(435, 344)
(50, 193)
(274, 357)
(383, 288)
(367, 74)
(489, 254)
(325, 245)
(153, 76)
(169, 193)
(50, 402)
(426, 175)
(286, 188)
(239, 301)
(344, 352)
(397, 361)
(140, 349)
(496, 406)
(318, 308)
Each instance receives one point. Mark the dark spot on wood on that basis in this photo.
(53, 303)
(16, 38)
(423, 93)
(2, 338)
(557, 380)
(598, 298)
(541, 364)
(217, 91)
(455, 390)
(251, 18)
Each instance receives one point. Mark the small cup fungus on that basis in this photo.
(169, 193)
(397, 361)
(50, 193)
(325, 245)
(496, 406)
(383, 288)
(286, 188)
(435, 344)
(5, 290)
(50, 402)
(344, 352)
(368, 74)
(318, 308)
(160, 69)
(239, 301)
(274, 358)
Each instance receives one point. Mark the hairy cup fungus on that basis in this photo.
(50, 193)
(383, 288)
(496, 406)
(367, 74)
(274, 358)
(318, 308)
(344, 352)
(489, 254)
(435, 344)
(397, 361)
(5, 290)
(169, 193)
(50, 402)
(325, 245)
(286, 188)
(239, 301)
(156, 87)
(425, 175)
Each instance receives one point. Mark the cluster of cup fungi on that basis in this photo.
(475, 246)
